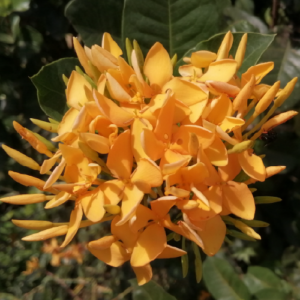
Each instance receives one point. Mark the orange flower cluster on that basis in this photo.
(151, 151)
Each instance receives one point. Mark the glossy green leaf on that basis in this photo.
(287, 66)
(222, 281)
(260, 278)
(256, 46)
(149, 291)
(91, 18)
(177, 24)
(51, 88)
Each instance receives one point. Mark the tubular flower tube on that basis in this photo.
(138, 141)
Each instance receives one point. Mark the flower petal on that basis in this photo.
(110, 45)
(259, 71)
(131, 199)
(59, 199)
(152, 146)
(113, 256)
(112, 111)
(75, 219)
(213, 235)
(171, 252)
(143, 274)
(221, 70)
(96, 142)
(232, 169)
(202, 59)
(238, 199)
(162, 205)
(92, 203)
(252, 165)
(184, 91)
(158, 67)
(147, 175)
(120, 157)
(148, 248)
(217, 153)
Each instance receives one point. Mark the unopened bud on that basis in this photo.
(267, 99)
(240, 147)
(112, 209)
(139, 54)
(277, 120)
(129, 48)
(26, 199)
(45, 125)
(266, 199)
(286, 92)
(174, 60)
(21, 158)
(240, 52)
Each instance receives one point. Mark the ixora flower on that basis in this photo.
(154, 153)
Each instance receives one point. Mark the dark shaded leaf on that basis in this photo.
(91, 18)
(177, 24)
(51, 88)
(222, 281)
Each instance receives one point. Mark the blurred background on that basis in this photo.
(37, 32)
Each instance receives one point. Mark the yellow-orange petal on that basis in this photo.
(59, 199)
(113, 256)
(232, 169)
(252, 165)
(238, 199)
(92, 203)
(131, 199)
(259, 71)
(221, 108)
(202, 59)
(147, 175)
(113, 191)
(273, 170)
(147, 248)
(142, 216)
(143, 274)
(112, 111)
(217, 153)
(195, 173)
(221, 70)
(82, 57)
(219, 88)
(137, 128)
(212, 235)
(171, 252)
(76, 96)
(49, 163)
(103, 243)
(97, 142)
(184, 91)
(163, 128)
(110, 45)
(158, 67)
(231, 123)
(55, 174)
(103, 59)
(152, 146)
(75, 219)
(124, 232)
(116, 90)
(162, 205)
(120, 157)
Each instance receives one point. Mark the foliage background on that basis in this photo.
(35, 33)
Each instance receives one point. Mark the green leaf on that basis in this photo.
(259, 278)
(9, 6)
(149, 291)
(91, 18)
(222, 281)
(256, 46)
(269, 294)
(177, 24)
(51, 88)
(286, 60)
(236, 14)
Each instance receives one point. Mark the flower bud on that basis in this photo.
(277, 120)
(285, 93)
(45, 125)
(240, 147)
(26, 199)
(21, 158)
(112, 209)
(266, 199)
(240, 52)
